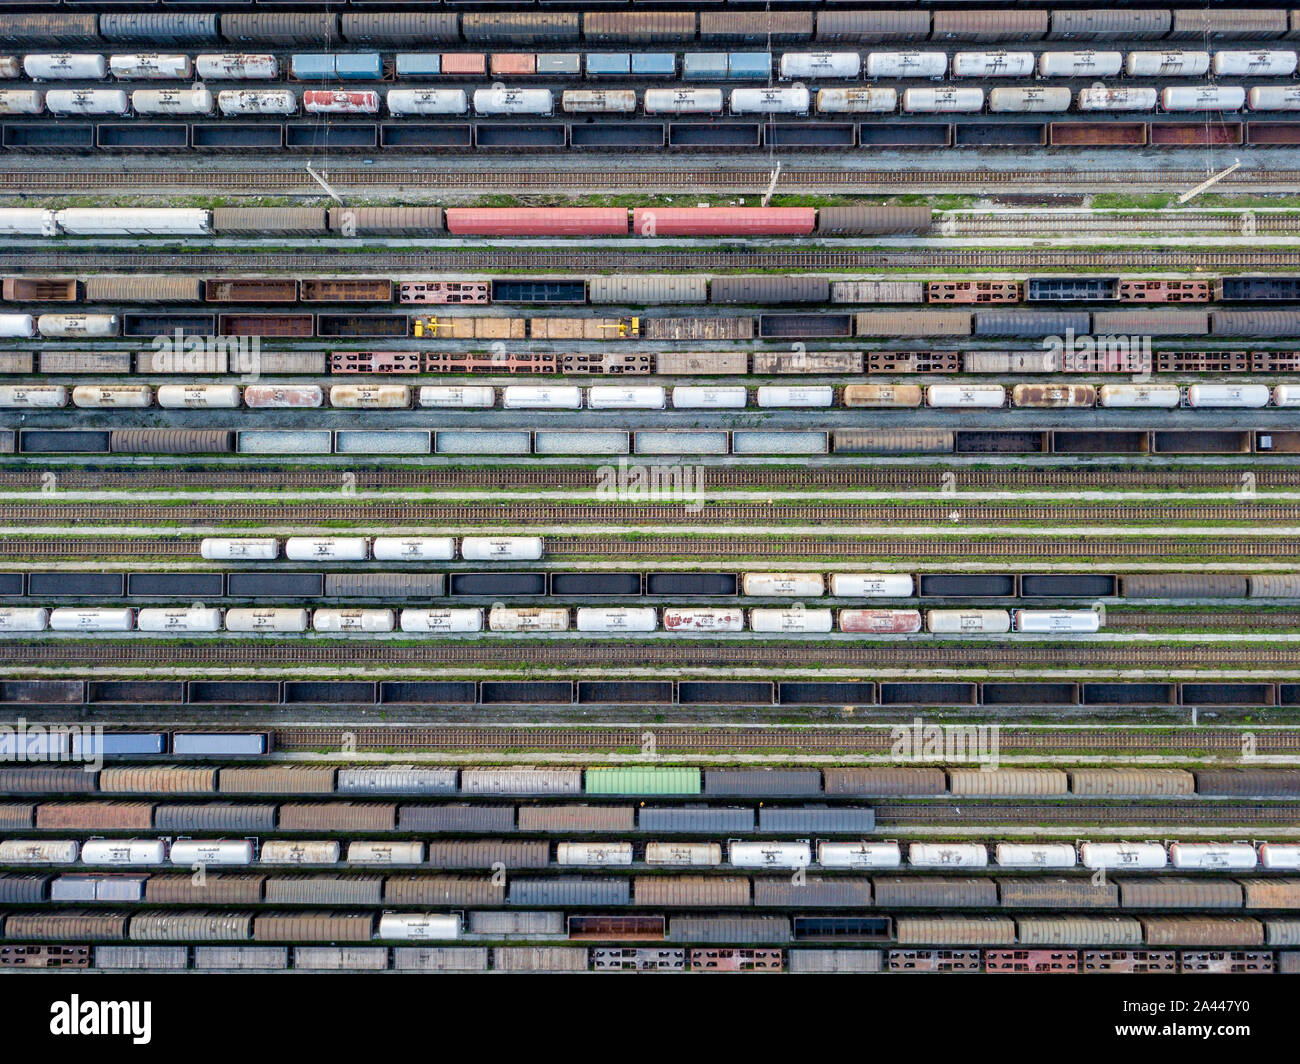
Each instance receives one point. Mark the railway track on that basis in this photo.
(1072, 223)
(608, 654)
(891, 814)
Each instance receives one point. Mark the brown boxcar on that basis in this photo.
(277, 779)
(484, 853)
(337, 816)
(444, 890)
(692, 363)
(313, 927)
(357, 221)
(539, 959)
(358, 290)
(46, 779)
(956, 930)
(638, 27)
(913, 323)
(1001, 26)
(249, 290)
(197, 926)
(162, 779)
(810, 362)
(1033, 892)
(71, 924)
(1271, 893)
(576, 818)
(885, 782)
(1202, 931)
(217, 888)
(94, 816)
(912, 892)
(1249, 782)
(39, 290)
(698, 328)
(287, 325)
(690, 891)
(756, 27)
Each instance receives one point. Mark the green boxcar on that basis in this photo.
(643, 780)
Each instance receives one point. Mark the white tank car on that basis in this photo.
(123, 852)
(872, 100)
(528, 619)
(325, 549)
(943, 101)
(21, 102)
(704, 619)
(950, 622)
(535, 397)
(872, 585)
(257, 102)
(458, 397)
(795, 396)
(1204, 98)
(33, 851)
(419, 927)
(626, 397)
(507, 101)
(427, 102)
(820, 65)
(190, 852)
(966, 396)
(236, 66)
(27, 221)
(150, 65)
(92, 619)
(992, 64)
(769, 854)
(87, 102)
(1127, 396)
(880, 622)
(295, 852)
(198, 396)
(1146, 856)
(220, 549)
(340, 102)
(1071, 621)
(413, 549)
(23, 619)
(1167, 64)
(449, 621)
(112, 396)
(386, 853)
(682, 101)
(1084, 64)
(65, 66)
(947, 855)
(706, 397)
(10, 66)
(18, 326)
(352, 620)
(502, 548)
(1284, 855)
(790, 621)
(1218, 856)
(1123, 99)
(266, 619)
(617, 619)
(370, 396)
(134, 221)
(784, 585)
(598, 101)
(78, 326)
(1262, 64)
(1035, 855)
(1286, 395)
(906, 65)
(1228, 395)
(694, 854)
(1274, 98)
(178, 619)
(792, 100)
(33, 396)
(1032, 99)
(594, 854)
(859, 855)
(283, 396)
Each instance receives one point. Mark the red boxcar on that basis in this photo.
(508, 63)
(893, 622)
(464, 63)
(723, 221)
(351, 102)
(537, 221)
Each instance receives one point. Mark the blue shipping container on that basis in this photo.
(118, 744)
(359, 66)
(311, 66)
(209, 743)
(749, 64)
(657, 64)
(608, 64)
(711, 65)
(418, 64)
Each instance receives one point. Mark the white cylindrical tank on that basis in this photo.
(23, 619)
(257, 102)
(1160, 396)
(707, 397)
(32, 851)
(541, 397)
(112, 396)
(820, 65)
(32, 396)
(458, 396)
(695, 854)
(150, 65)
(178, 619)
(785, 585)
(414, 549)
(859, 855)
(27, 221)
(947, 855)
(198, 396)
(1056, 620)
(598, 101)
(221, 549)
(134, 221)
(190, 852)
(943, 101)
(617, 619)
(293, 852)
(1262, 64)
(123, 852)
(1035, 855)
(266, 619)
(1028, 100)
(1228, 395)
(1285, 855)
(1286, 395)
(880, 622)
(1085, 64)
(10, 66)
(961, 621)
(352, 620)
(527, 619)
(770, 854)
(419, 927)
(770, 101)
(370, 396)
(91, 619)
(20, 326)
(593, 853)
(340, 102)
(872, 585)
(325, 549)
(704, 619)
(65, 66)
(78, 325)
(1167, 64)
(1141, 855)
(507, 101)
(856, 101)
(427, 102)
(795, 396)
(620, 397)
(1274, 98)
(236, 66)
(386, 853)
(1204, 98)
(966, 396)
(442, 620)
(502, 548)
(281, 396)
(992, 64)
(1227, 856)
(906, 65)
(195, 101)
(1123, 99)
(682, 101)
(790, 621)
(21, 102)
(87, 102)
